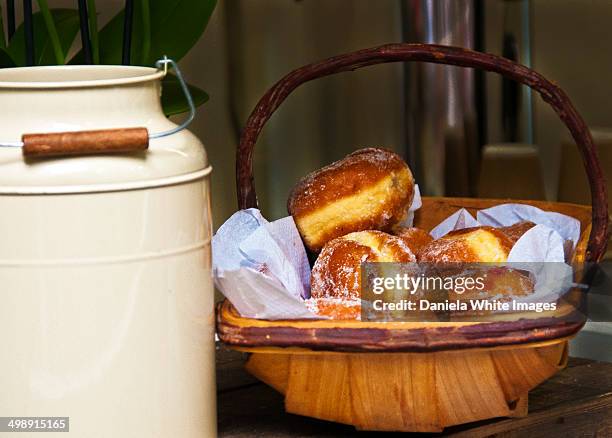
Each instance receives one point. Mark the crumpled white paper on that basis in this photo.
(457, 221)
(508, 214)
(261, 266)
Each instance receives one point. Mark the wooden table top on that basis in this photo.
(575, 402)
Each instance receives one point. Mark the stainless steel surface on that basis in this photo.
(515, 39)
(441, 122)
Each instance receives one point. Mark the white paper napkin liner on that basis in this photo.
(504, 215)
(538, 244)
(226, 242)
(457, 221)
(293, 246)
(277, 246)
(255, 295)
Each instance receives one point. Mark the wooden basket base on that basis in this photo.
(416, 392)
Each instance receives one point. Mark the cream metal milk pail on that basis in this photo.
(106, 298)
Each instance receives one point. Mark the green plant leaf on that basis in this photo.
(93, 30)
(176, 25)
(6, 60)
(67, 26)
(146, 30)
(173, 99)
(58, 53)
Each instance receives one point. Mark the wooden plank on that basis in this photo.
(573, 383)
(590, 417)
(386, 390)
(258, 411)
(477, 393)
(319, 387)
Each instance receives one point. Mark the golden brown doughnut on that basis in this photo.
(415, 238)
(470, 245)
(500, 283)
(508, 282)
(516, 231)
(370, 189)
(337, 271)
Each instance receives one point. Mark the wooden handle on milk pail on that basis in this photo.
(106, 141)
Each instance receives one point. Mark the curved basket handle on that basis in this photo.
(551, 94)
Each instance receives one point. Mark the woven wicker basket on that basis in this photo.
(416, 376)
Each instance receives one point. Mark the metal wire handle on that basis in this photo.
(192, 110)
(163, 63)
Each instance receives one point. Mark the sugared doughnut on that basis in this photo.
(508, 282)
(470, 245)
(499, 283)
(370, 189)
(415, 238)
(337, 271)
(335, 308)
(516, 231)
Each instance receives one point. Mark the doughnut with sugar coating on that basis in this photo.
(337, 271)
(469, 245)
(415, 238)
(370, 189)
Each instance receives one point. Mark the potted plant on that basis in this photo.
(139, 34)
